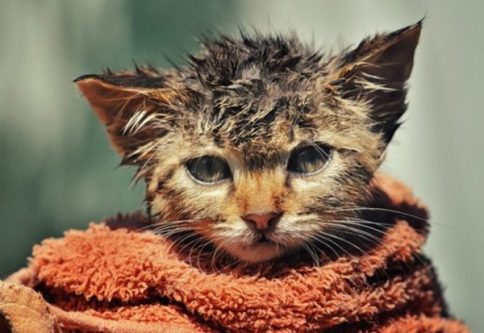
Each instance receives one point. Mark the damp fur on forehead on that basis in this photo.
(250, 79)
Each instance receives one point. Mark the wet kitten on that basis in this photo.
(260, 145)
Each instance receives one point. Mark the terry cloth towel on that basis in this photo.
(117, 277)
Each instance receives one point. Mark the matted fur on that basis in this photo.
(250, 101)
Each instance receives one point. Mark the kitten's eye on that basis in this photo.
(208, 169)
(308, 159)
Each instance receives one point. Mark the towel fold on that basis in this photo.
(118, 277)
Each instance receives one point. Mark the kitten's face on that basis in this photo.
(301, 170)
(261, 146)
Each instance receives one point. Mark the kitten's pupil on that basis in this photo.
(208, 169)
(308, 159)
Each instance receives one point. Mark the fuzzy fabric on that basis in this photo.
(115, 277)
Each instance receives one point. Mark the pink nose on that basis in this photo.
(262, 222)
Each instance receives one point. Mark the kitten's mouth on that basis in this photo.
(263, 239)
(260, 248)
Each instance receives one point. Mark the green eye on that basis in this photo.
(208, 169)
(308, 159)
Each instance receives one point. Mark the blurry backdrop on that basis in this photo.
(57, 170)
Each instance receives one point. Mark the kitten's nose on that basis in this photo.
(263, 222)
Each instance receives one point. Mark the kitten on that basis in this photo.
(260, 145)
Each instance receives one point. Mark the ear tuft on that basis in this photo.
(128, 107)
(376, 72)
(106, 98)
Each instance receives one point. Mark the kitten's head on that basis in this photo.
(259, 145)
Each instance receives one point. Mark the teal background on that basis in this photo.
(57, 170)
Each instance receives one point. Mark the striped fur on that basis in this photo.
(251, 101)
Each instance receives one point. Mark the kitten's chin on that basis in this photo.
(255, 253)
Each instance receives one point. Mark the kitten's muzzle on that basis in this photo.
(266, 222)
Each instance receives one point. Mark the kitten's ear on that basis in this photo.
(128, 111)
(376, 72)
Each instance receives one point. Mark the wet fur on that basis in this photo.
(251, 100)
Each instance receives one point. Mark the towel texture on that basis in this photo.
(115, 277)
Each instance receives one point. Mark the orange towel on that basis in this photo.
(114, 277)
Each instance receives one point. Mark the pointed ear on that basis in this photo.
(128, 109)
(376, 72)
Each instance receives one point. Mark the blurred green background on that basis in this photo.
(57, 170)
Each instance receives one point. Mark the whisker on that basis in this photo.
(347, 242)
(320, 237)
(161, 223)
(366, 221)
(388, 210)
(311, 253)
(200, 251)
(357, 224)
(351, 230)
(178, 242)
(198, 245)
